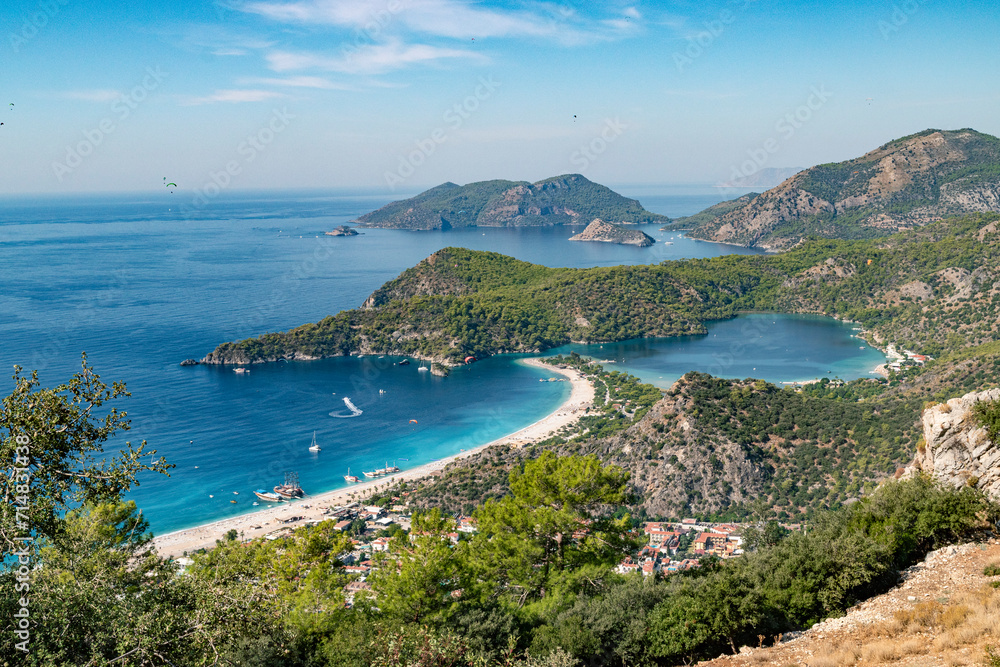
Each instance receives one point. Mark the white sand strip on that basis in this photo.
(270, 517)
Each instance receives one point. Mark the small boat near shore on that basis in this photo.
(350, 478)
(268, 496)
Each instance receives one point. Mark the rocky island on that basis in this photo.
(568, 199)
(343, 230)
(606, 232)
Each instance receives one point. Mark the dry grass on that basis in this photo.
(886, 650)
(974, 616)
(921, 616)
(843, 656)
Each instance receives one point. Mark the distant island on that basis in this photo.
(606, 232)
(343, 230)
(563, 200)
(906, 183)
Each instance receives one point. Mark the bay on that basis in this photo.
(139, 286)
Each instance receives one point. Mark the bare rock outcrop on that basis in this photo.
(607, 232)
(956, 450)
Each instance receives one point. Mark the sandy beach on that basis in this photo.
(272, 517)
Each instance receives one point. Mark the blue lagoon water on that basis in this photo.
(140, 286)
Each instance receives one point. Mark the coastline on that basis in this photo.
(310, 508)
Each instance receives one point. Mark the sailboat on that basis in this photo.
(314, 447)
(423, 368)
(349, 477)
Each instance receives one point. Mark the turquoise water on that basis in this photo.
(140, 287)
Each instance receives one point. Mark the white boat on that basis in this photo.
(240, 371)
(423, 368)
(314, 447)
(349, 477)
(268, 496)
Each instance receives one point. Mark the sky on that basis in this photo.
(398, 95)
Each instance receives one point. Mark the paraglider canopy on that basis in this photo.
(469, 359)
(413, 421)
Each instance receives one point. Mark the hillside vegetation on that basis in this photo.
(567, 199)
(906, 183)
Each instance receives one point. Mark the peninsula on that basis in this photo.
(915, 288)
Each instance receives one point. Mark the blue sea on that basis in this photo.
(142, 282)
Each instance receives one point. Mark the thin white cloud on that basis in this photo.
(228, 51)
(520, 133)
(701, 94)
(234, 96)
(459, 19)
(215, 39)
(370, 59)
(94, 95)
(317, 82)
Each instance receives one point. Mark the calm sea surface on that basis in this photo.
(140, 286)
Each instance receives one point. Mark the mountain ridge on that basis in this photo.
(903, 184)
(565, 199)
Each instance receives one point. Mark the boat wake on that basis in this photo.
(355, 411)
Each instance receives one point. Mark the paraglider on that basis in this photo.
(413, 421)
(469, 359)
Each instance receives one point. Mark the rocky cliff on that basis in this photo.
(956, 449)
(606, 232)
